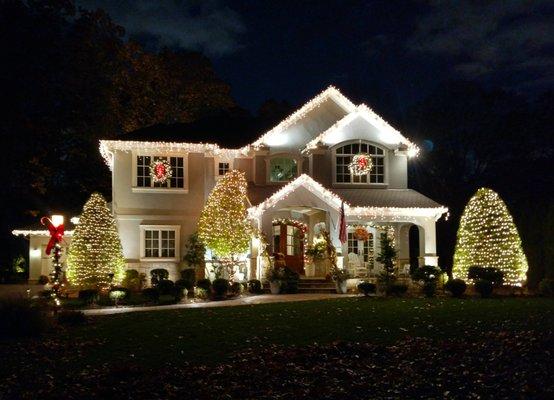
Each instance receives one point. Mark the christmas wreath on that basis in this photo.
(160, 171)
(361, 164)
(361, 233)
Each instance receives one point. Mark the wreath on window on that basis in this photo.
(361, 164)
(160, 171)
(361, 233)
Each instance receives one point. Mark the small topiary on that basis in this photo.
(484, 287)
(88, 296)
(126, 292)
(43, 280)
(236, 288)
(220, 287)
(151, 294)
(116, 295)
(157, 275)
(204, 284)
(491, 274)
(546, 287)
(188, 277)
(74, 318)
(397, 289)
(367, 288)
(255, 286)
(456, 286)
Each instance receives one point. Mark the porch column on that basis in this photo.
(428, 252)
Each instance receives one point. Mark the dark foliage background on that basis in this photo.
(71, 76)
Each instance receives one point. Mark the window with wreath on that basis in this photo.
(160, 242)
(282, 169)
(146, 172)
(344, 156)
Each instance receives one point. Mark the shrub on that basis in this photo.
(430, 288)
(456, 286)
(157, 275)
(21, 318)
(116, 295)
(397, 289)
(188, 276)
(546, 287)
(220, 287)
(133, 279)
(45, 294)
(367, 288)
(151, 294)
(236, 288)
(289, 282)
(204, 284)
(126, 292)
(255, 286)
(166, 299)
(43, 280)
(484, 287)
(74, 318)
(88, 296)
(491, 274)
(166, 286)
(427, 273)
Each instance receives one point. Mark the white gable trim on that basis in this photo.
(331, 199)
(389, 135)
(330, 93)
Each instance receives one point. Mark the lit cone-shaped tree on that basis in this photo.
(95, 257)
(488, 237)
(223, 226)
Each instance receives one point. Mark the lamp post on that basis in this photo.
(56, 229)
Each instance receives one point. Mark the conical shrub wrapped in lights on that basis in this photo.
(95, 256)
(488, 237)
(223, 226)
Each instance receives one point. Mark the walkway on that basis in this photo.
(241, 301)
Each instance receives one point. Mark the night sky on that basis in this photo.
(386, 53)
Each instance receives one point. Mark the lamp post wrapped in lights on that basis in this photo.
(56, 229)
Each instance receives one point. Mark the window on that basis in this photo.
(361, 247)
(177, 179)
(160, 242)
(293, 240)
(222, 168)
(282, 169)
(343, 158)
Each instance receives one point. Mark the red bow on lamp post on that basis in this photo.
(56, 233)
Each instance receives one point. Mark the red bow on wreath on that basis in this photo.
(56, 233)
(362, 162)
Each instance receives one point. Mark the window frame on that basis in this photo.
(159, 228)
(371, 245)
(268, 159)
(384, 157)
(153, 189)
(219, 160)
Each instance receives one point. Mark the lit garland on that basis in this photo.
(488, 237)
(160, 171)
(223, 227)
(393, 213)
(95, 257)
(361, 165)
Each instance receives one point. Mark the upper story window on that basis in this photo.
(222, 168)
(144, 178)
(282, 169)
(343, 158)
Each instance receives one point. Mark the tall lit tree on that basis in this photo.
(488, 237)
(95, 257)
(223, 226)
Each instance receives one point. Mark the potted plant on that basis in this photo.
(340, 276)
(317, 252)
(274, 276)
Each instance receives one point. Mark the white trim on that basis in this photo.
(175, 228)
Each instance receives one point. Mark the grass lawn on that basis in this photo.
(208, 335)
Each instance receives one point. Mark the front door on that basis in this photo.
(289, 240)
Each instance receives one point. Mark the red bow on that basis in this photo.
(362, 162)
(56, 233)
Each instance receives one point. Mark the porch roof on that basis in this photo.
(397, 198)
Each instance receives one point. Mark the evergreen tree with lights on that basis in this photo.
(223, 226)
(488, 237)
(95, 257)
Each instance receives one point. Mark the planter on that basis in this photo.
(309, 269)
(275, 287)
(341, 287)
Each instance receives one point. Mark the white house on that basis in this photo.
(299, 172)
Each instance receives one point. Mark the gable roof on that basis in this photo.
(381, 202)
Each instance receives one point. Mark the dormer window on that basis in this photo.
(344, 155)
(282, 169)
